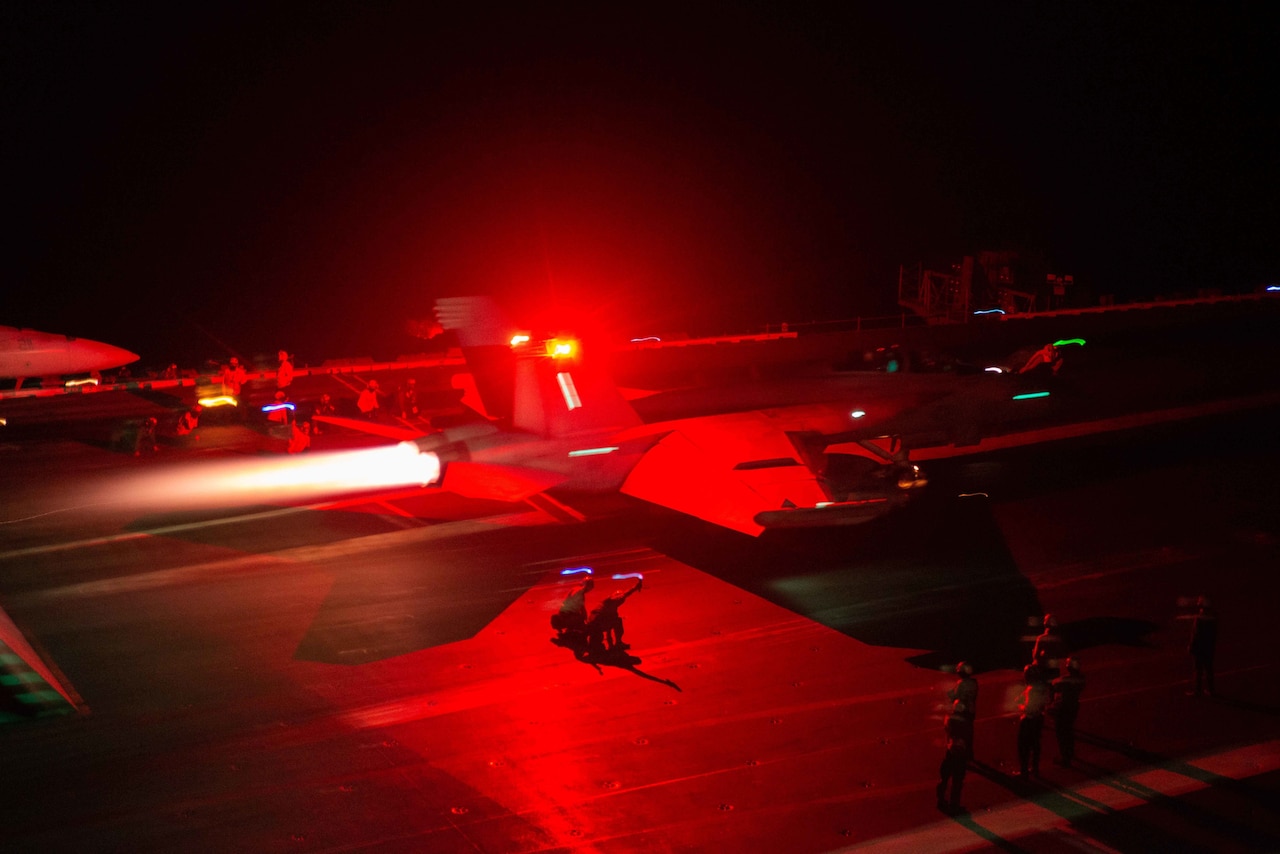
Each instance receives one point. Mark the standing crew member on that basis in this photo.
(233, 377)
(144, 441)
(1050, 643)
(408, 399)
(284, 374)
(966, 691)
(956, 760)
(367, 403)
(1067, 689)
(323, 407)
(280, 412)
(1204, 642)
(1035, 698)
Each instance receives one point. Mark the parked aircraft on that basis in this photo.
(26, 353)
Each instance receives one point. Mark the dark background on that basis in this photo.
(195, 182)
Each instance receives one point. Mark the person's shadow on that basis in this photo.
(599, 656)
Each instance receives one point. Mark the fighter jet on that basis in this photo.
(558, 422)
(26, 353)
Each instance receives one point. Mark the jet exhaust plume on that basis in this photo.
(222, 483)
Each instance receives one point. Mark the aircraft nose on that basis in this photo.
(105, 355)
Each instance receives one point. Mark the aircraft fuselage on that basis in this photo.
(29, 353)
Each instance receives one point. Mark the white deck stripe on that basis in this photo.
(1112, 794)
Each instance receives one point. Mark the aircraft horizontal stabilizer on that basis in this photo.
(26, 672)
(685, 473)
(498, 482)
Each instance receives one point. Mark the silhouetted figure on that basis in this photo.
(570, 621)
(279, 413)
(1035, 699)
(1047, 355)
(966, 688)
(1050, 643)
(299, 438)
(367, 403)
(144, 441)
(324, 406)
(170, 373)
(604, 629)
(1067, 689)
(233, 377)
(1204, 642)
(966, 691)
(189, 421)
(407, 398)
(958, 727)
(284, 373)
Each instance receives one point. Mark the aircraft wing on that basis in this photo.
(497, 482)
(727, 472)
(375, 428)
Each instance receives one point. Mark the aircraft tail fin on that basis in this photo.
(541, 393)
(568, 395)
(484, 335)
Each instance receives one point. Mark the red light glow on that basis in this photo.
(561, 348)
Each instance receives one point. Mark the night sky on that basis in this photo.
(195, 182)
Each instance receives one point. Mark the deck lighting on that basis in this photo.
(1031, 395)
(857, 413)
(990, 311)
(620, 576)
(1065, 341)
(562, 348)
(220, 400)
(578, 570)
(517, 340)
(272, 407)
